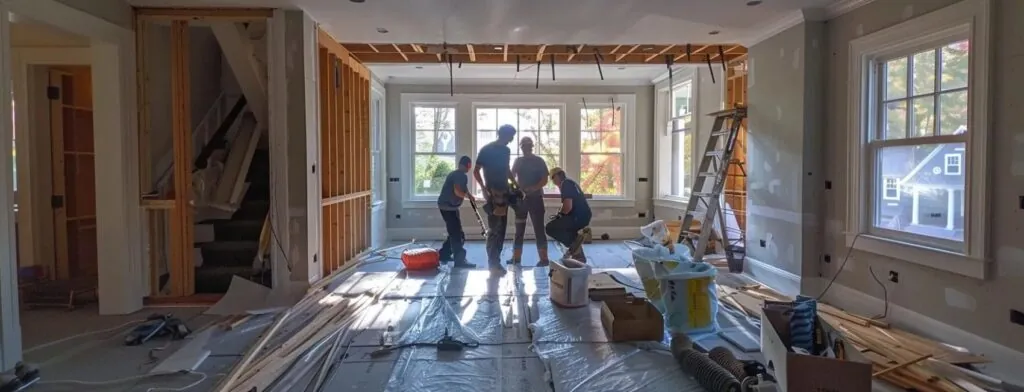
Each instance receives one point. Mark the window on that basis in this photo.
(953, 165)
(601, 151)
(434, 148)
(890, 188)
(376, 146)
(681, 126)
(919, 115)
(542, 124)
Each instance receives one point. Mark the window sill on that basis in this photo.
(922, 255)
(673, 202)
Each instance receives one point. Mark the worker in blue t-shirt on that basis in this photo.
(573, 215)
(454, 190)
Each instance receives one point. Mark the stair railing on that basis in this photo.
(201, 134)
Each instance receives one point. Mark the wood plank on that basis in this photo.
(143, 106)
(181, 265)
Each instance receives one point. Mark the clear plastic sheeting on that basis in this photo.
(612, 367)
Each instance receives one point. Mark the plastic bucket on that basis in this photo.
(691, 300)
(569, 283)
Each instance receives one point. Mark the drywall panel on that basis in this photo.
(117, 12)
(775, 150)
(625, 216)
(937, 294)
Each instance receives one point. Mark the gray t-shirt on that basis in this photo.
(448, 200)
(494, 159)
(530, 170)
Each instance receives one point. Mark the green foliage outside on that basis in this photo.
(601, 147)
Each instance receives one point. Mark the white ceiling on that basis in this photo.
(534, 21)
(499, 73)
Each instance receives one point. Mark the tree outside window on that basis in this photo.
(541, 124)
(434, 151)
(601, 151)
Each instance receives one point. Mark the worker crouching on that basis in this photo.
(573, 216)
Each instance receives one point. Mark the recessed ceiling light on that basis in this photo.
(714, 32)
(358, 1)
(649, 48)
(382, 30)
(754, 2)
(499, 48)
(419, 67)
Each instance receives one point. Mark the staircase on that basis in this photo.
(236, 240)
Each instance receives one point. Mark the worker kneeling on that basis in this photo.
(573, 216)
(454, 190)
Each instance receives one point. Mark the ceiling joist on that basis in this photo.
(561, 54)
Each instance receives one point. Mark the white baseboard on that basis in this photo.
(778, 279)
(1006, 362)
(473, 233)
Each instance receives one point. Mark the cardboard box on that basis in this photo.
(631, 319)
(808, 373)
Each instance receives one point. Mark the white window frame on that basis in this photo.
(465, 118)
(968, 19)
(409, 144)
(959, 164)
(378, 129)
(624, 121)
(663, 123)
(520, 105)
(886, 188)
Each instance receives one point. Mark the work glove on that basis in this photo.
(556, 216)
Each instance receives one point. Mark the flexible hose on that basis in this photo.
(724, 358)
(707, 373)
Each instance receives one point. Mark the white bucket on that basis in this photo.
(569, 283)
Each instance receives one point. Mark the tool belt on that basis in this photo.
(501, 199)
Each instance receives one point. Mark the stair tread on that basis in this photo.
(229, 245)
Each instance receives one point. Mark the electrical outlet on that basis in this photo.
(398, 216)
(642, 215)
(763, 243)
(1016, 317)
(828, 184)
(1022, 202)
(894, 276)
(828, 258)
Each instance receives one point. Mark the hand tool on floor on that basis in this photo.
(157, 325)
(714, 165)
(447, 343)
(479, 219)
(25, 375)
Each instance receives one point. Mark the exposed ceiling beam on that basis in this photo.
(661, 52)
(417, 48)
(540, 52)
(727, 51)
(693, 52)
(631, 49)
(472, 54)
(406, 58)
(578, 50)
(617, 47)
(374, 48)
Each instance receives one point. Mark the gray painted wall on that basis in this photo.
(205, 71)
(979, 307)
(785, 90)
(603, 217)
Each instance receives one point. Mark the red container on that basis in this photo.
(420, 259)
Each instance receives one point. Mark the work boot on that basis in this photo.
(543, 255)
(463, 264)
(497, 270)
(517, 257)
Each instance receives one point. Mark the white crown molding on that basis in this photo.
(841, 7)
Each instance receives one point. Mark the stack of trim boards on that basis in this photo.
(899, 357)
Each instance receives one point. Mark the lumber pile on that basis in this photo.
(899, 357)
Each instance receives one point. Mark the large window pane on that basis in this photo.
(550, 119)
(896, 78)
(508, 116)
(430, 172)
(601, 174)
(930, 197)
(895, 120)
(549, 143)
(681, 99)
(923, 122)
(435, 141)
(543, 125)
(434, 118)
(487, 119)
(529, 119)
(955, 65)
(953, 112)
(924, 73)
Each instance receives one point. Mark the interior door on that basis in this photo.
(74, 177)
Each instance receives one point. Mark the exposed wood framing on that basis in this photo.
(199, 14)
(505, 53)
(736, 183)
(145, 175)
(181, 266)
(344, 153)
(727, 51)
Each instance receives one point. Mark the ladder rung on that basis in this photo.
(705, 194)
(720, 133)
(716, 153)
(707, 174)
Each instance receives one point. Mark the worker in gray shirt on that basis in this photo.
(531, 173)
(492, 172)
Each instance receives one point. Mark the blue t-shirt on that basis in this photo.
(494, 158)
(448, 200)
(580, 209)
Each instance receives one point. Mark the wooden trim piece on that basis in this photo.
(181, 266)
(145, 160)
(62, 266)
(196, 14)
(344, 198)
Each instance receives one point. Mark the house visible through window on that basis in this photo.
(601, 150)
(434, 148)
(922, 123)
(542, 124)
(681, 126)
(953, 167)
